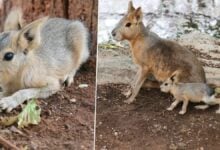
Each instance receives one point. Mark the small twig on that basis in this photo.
(8, 144)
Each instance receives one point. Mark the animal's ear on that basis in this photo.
(138, 15)
(14, 20)
(130, 7)
(174, 76)
(29, 37)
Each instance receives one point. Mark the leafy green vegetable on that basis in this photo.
(29, 115)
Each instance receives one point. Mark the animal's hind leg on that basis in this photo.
(218, 102)
(151, 84)
(70, 78)
(184, 107)
(78, 43)
(218, 111)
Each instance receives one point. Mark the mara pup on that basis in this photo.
(189, 92)
(154, 55)
(36, 59)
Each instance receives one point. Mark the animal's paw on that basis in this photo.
(127, 93)
(182, 112)
(8, 104)
(68, 81)
(129, 101)
(203, 107)
(169, 108)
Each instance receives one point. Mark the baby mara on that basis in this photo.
(189, 92)
(36, 59)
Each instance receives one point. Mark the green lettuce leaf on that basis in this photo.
(29, 115)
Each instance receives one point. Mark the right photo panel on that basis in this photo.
(158, 79)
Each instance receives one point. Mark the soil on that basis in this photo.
(147, 125)
(65, 124)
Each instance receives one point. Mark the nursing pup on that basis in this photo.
(189, 92)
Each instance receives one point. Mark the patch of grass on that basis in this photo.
(109, 45)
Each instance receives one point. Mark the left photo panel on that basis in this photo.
(47, 74)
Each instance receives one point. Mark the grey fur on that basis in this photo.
(193, 92)
(47, 52)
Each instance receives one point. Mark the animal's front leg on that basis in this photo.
(184, 107)
(173, 105)
(132, 84)
(140, 80)
(20, 96)
(151, 84)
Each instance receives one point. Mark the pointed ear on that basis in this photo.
(130, 7)
(138, 15)
(174, 76)
(14, 20)
(29, 37)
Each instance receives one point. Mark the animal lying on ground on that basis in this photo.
(154, 55)
(189, 92)
(36, 59)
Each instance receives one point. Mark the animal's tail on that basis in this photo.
(214, 99)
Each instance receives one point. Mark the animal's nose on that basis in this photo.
(113, 33)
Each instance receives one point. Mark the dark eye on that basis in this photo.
(128, 24)
(8, 56)
(166, 84)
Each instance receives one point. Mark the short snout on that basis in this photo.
(116, 35)
(113, 33)
(163, 89)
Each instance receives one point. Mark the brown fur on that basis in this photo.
(154, 55)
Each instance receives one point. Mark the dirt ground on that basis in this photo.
(65, 124)
(147, 125)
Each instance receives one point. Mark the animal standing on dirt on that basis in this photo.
(154, 55)
(38, 58)
(189, 92)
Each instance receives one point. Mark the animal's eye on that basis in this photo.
(166, 84)
(128, 24)
(8, 56)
